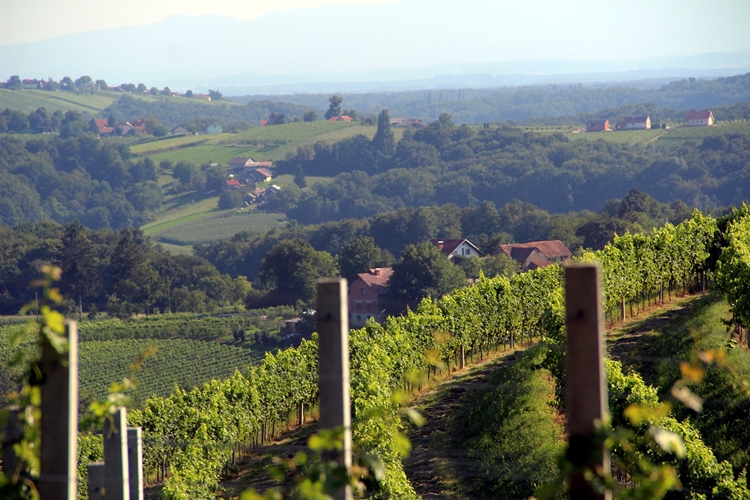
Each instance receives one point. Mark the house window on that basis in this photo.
(359, 317)
(358, 305)
(362, 291)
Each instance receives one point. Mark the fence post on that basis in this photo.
(333, 349)
(135, 462)
(12, 434)
(58, 466)
(96, 480)
(586, 392)
(116, 480)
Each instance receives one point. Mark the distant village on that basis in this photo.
(702, 118)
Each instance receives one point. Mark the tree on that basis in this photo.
(423, 271)
(351, 113)
(84, 80)
(153, 91)
(189, 174)
(334, 109)
(102, 85)
(291, 270)
(215, 95)
(299, 177)
(189, 93)
(14, 83)
(66, 83)
(155, 128)
(80, 264)
(310, 116)
(230, 199)
(166, 91)
(384, 141)
(141, 88)
(361, 255)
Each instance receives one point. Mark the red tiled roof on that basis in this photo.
(233, 183)
(550, 248)
(342, 118)
(699, 115)
(264, 172)
(446, 245)
(378, 282)
(267, 164)
(101, 123)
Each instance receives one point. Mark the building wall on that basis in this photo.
(361, 305)
(464, 250)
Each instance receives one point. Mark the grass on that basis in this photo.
(206, 228)
(29, 100)
(723, 421)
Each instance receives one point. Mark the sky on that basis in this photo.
(33, 20)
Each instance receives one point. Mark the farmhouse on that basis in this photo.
(407, 122)
(367, 294)
(214, 128)
(597, 126)
(535, 254)
(456, 248)
(634, 123)
(180, 130)
(32, 84)
(700, 118)
(341, 118)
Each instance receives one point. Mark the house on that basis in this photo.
(32, 84)
(597, 126)
(180, 131)
(260, 175)
(456, 248)
(240, 162)
(205, 97)
(341, 118)
(634, 123)
(407, 122)
(703, 118)
(232, 184)
(535, 254)
(366, 296)
(272, 189)
(275, 119)
(214, 128)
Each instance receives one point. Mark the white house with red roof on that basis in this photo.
(456, 248)
(366, 297)
(634, 123)
(700, 118)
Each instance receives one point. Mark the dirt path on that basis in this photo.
(437, 466)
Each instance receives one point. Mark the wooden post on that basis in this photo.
(333, 349)
(116, 480)
(12, 434)
(586, 393)
(301, 415)
(58, 467)
(135, 462)
(96, 480)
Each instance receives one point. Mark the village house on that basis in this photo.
(180, 130)
(703, 118)
(597, 126)
(341, 118)
(366, 296)
(456, 248)
(535, 254)
(260, 175)
(103, 129)
(214, 128)
(232, 184)
(34, 84)
(407, 122)
(634, 123)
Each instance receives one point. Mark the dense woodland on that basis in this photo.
(444, 163)
(543, 101)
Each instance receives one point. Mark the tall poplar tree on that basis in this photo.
(384, 141)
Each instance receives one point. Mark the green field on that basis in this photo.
(29, 100)
(212, 226)
(655, 135)
(261, 143)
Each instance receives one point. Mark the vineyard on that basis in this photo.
(490, 315)
(216, 226)
(176, 363)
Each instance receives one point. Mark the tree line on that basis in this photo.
(444, 163)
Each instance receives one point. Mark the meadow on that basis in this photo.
(209, 227)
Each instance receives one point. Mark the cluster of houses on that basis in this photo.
(693, 118)
(368, 292)
(244, 171)
(138, 127)
(407, 122)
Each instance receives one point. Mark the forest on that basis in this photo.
(445, 163)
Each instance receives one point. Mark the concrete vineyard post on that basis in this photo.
(58, 473)
(586, 396)
(333, 339)
(117, 478)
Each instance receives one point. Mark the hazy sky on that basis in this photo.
(458, 30)
(32, 20)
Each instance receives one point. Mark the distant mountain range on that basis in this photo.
(322, 50)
